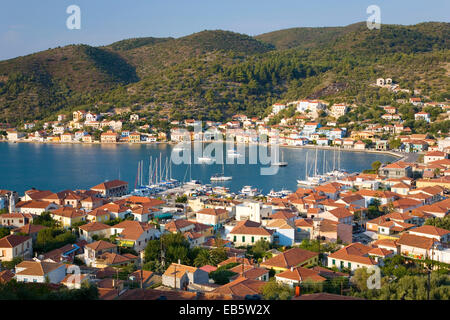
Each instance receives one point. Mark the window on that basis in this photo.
(253, 239)
(342, 264)
(25, 280)
(334, 262)
(349, 265)
(243, 238)
(234, 239)
(34, 280)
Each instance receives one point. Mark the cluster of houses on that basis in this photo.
(301, 129)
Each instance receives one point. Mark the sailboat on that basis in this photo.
(221, 176)
(281, 163)
(315, 179)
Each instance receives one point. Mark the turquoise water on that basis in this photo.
(64, 166)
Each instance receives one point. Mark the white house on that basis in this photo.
(252, 210)
(40, 272)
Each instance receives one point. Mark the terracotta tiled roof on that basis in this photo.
(213, 212)
(109, 184)
(430, 230)
(68, 212)
(94, 226)
(301, 274)
(132, 230)
(241, 287)
(290, 258)
(355, 252)
(416, 241)
(100, 245)
(37, 268)
(244, 261)
(12, 241)
(248, 227)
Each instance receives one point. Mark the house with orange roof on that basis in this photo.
(135, 234)
(179, 276)
(250, 272)
(113, 188)
(404, 205)
(340, 215)
(213, 217)
(93, 230)
(15, 246)
(383, 196)
(40, 272)
(29, 229)
(296, 275)
(441, 235)
(11, 220)
(330, 190)
(295, 257)
(442, 181)
(111, 259)
(248, 232)
(284, 231)
(352, 256)
(240, 288)
(416, 247)
(387, 244)
(96, 249)
(395, 170)
(98, 215)
(68, 216)
(434, 156)
(35, 207)
(401, 188)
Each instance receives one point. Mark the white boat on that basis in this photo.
(178, 149)
(281, 163)
(221, 190)
(221, 176)
(279, 194)
(206, 160)
(249, 191)
(233, 153)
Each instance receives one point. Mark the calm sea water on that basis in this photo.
(63, 166)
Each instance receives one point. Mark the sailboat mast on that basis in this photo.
(160, 167)
(323, 162)
(315, 164)
(306, 168)
(167, 170)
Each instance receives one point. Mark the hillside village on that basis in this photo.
(294, 123)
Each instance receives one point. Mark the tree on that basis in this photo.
(203, 258)
(274, 290)
(376, 165)
(221, 276)
(443, 223)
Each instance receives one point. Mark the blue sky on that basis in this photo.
(27, 26)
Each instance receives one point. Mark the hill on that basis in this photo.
(213, 74)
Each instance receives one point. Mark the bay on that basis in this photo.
(58, 167)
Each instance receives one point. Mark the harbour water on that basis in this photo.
(57, 167)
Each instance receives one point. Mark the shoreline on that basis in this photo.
(387, 152)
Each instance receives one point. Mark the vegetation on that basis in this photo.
(50, 238)
(274, 290)
(443, 223)
(37, 291)
(214, 74)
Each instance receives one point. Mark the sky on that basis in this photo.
(28, 26)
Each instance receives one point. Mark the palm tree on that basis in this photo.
(203, 258)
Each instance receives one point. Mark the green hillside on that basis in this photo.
(213, 74)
